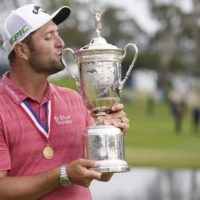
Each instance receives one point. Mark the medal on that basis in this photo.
(44, 131)
(48, 152)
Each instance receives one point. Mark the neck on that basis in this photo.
(34, 85)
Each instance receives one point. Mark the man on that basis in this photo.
(41, 125)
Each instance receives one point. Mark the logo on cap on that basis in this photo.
(19, 33)
(37, 8)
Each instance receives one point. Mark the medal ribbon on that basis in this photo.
(34, 119)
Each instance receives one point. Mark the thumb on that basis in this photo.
(92, 173)
(90, 163)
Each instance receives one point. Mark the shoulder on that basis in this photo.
(66, 95)
(62, 90)
(2, 94)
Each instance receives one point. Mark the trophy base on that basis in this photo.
(112, 166)
(112, 169)
(105, 145)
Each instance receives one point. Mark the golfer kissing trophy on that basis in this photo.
(100, 87)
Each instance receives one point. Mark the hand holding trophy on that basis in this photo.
(100, 87)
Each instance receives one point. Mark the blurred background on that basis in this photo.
(161, 96)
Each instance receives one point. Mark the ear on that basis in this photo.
(22, 50)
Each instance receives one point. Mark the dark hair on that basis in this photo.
(28, 41)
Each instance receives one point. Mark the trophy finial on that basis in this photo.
(97, 20)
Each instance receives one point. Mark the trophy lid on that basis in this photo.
(98, 43)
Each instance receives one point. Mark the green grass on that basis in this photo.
(151, 140)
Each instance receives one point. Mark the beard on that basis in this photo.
(45, 64)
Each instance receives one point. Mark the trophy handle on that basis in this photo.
(121, 84)
(66, 66)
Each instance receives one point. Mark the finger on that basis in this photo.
(79, 172)
(114, 108)
(115, 115)
(120, 120)
(122, 123)
(106, 177)
(89, 163)
(123, 126)
(91, 174)
(117, 107)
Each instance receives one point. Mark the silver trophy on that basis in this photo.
(100, 87)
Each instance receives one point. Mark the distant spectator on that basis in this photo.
(195, 118)
(150, 105)
(178, 110)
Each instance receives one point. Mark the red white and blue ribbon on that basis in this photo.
(34, 119)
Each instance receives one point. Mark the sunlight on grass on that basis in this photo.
(165, 158)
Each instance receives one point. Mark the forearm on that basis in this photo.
(29, 187)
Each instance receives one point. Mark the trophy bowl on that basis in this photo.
(100, 87)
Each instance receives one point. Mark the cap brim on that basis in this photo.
(60, 15)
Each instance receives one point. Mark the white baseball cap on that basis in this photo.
(26, 19)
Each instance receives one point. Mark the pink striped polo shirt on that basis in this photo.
(21, 145)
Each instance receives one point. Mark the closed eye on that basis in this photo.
(48, 38)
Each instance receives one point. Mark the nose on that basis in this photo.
(59, 42)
